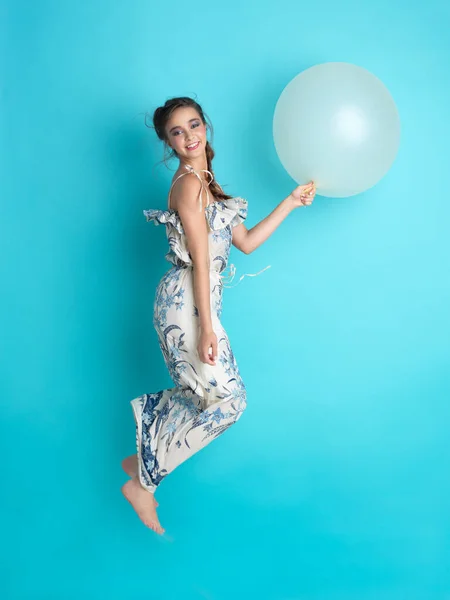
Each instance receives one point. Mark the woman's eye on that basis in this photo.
(179, 131)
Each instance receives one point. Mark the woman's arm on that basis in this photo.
(247, 240)
(185, 201)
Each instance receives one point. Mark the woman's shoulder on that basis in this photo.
(185, 189)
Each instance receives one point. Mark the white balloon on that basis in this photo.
(336, 124)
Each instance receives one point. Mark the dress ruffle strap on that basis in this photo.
(231, 211)
(164, 217)
(202, 182)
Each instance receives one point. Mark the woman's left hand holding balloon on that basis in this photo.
(303, 195)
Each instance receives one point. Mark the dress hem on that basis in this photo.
(137, 412)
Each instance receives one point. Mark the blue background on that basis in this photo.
(334, 485)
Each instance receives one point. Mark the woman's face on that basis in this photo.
(184, 129)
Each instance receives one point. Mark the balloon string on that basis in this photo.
(233, 273)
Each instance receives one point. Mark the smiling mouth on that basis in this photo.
(193, 146)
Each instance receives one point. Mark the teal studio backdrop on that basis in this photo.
(334, 485)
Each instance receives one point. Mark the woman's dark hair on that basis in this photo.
(162, 115)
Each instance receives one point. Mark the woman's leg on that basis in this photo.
(174, 424)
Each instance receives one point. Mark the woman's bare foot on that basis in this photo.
(130, 466)
(143, 502)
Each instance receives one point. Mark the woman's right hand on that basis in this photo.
(207, 340)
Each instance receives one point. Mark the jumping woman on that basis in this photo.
(202, 222)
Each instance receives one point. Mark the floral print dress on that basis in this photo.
(173, 424)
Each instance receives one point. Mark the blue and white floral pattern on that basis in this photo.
(173, 424)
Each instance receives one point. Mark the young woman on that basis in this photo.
(201, 224)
